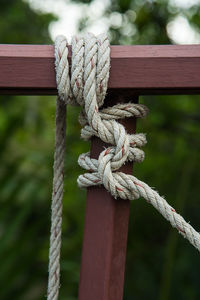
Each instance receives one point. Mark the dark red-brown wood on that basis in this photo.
(106, 228)
(171, 69)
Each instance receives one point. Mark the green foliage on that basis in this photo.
(160, 265)
(20, 24)
(159, 259)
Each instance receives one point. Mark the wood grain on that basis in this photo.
(165, 69)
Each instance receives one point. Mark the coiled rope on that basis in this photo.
(87, 87)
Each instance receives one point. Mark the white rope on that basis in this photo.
(87, 87)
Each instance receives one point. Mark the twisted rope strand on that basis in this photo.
(87, 87)
(56, 207)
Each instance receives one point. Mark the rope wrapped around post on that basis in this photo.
(87, 87)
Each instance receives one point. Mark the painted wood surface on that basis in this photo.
(171, 69)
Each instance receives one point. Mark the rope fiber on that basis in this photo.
(87, 87)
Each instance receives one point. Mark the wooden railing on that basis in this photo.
(148, 69)
(135, 70)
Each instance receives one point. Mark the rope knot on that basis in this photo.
(87, 87)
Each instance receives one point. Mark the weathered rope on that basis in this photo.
(87, 87)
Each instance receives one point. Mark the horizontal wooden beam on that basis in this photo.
(171, 69)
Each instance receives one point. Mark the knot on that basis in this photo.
(87, 87)
(125, 148)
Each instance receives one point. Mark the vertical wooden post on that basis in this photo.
(106, 227)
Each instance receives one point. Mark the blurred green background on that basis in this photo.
(160, 264)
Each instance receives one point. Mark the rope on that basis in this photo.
(87, 87)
